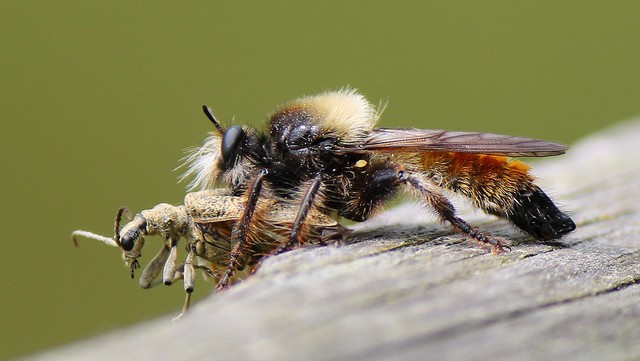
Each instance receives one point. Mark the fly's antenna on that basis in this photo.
(209, 113)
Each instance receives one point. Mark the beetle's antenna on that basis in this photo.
(209, 113)
(106, 240)
(116, 227)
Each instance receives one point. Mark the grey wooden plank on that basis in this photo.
(403, 289)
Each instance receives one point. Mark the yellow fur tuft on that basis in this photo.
(345, 113)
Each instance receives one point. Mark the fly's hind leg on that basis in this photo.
(429, 192)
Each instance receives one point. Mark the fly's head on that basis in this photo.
(228, 154)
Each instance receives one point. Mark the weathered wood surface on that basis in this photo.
(406, 289)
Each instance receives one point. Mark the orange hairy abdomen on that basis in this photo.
(490, 181)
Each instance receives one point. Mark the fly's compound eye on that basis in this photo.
(231, 144)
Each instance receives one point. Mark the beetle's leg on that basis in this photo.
(171, 265)
(189, 273)
(239, 234)
(211, 273)
(188, 278)
(149, 276)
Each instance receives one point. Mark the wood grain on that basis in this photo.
(406, 288)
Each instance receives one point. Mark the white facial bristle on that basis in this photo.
(202, 164)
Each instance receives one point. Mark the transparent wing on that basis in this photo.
(426, 140)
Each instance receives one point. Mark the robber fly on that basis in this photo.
(206, 221)
(323, 153)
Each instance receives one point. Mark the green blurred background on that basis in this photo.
(99, 100)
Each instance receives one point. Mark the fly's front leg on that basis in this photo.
(301, 215)
(241, 229)
(305, 206)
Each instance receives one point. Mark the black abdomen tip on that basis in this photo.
(535, 213)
